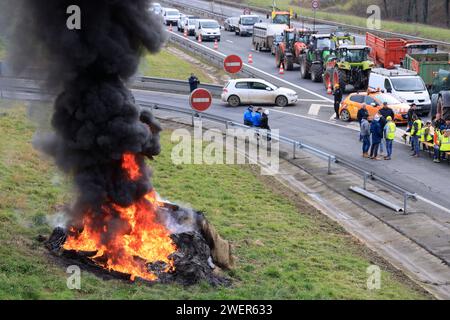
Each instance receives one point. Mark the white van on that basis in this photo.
(245, 24)
(209, 29)
(404, 84)
(171, 16)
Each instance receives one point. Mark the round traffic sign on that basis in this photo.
(315, 4)
(200, 99)
(233, 64)
(247, 11)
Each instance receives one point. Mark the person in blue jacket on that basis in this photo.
(257, 118)
(248, 116)
(377, 134)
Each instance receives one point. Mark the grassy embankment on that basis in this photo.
(166, 65)
(415, 29)
(285, 250)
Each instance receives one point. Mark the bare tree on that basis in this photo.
(425, 11)
(447, 12)
(386, 9)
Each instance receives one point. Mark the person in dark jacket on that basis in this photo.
(411, 112)
(265, 120)
(360, 116)
(193, 82)
(248, 116)
(385, 112)
(337, 99)
(265, 123)
(377, 135)
(257, 118)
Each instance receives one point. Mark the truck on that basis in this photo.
(440, 94)
(288, 51)
(389, 52)
(427, 65)
(264, 33)
(245, 24)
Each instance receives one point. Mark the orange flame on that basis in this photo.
(130, 166)
(143, 240)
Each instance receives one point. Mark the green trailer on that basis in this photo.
(427, 65)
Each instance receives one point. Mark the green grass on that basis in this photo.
(414, 29)
(284, 249)
(167, 65)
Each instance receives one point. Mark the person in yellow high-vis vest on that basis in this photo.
(416, 131)
(425, 134)
(389, 133)
(444, 142)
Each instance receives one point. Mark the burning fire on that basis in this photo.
(143, 241)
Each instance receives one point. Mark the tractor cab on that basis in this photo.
(343, 39)
(281, 17)
(441, 82)
(352, 53)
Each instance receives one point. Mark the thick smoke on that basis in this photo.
(96, 120)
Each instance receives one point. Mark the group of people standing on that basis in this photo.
(258, 118)
(377, 135)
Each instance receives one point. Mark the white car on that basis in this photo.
(171, 16)
(257, 91)
(156, 8)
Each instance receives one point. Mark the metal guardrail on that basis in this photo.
(260, 10)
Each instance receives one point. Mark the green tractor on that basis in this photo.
(440, 94)
(348, 64)
(313, 59)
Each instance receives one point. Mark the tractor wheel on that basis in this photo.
(289, 64)
(340, 77)
(304, 68)
(316, 72)
(442, 109)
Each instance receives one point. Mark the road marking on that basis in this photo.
(229, 41)
(314, 109)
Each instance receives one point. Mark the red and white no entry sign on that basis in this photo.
(200, 99)
(232, 64)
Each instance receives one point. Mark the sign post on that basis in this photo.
(315, 4)
(200, 100)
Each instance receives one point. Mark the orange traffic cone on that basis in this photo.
(329, 89)
(170, 28)
(216, 45)
(281, 69)
(199, 38)
(185, 33)
(250, 58)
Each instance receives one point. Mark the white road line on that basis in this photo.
(229, 41)
(314, 109)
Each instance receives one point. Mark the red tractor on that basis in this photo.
(289, 50)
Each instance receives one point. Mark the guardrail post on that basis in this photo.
(365, 181)
(193, 115)
(405, 202)
(294, 150)
(329, 165)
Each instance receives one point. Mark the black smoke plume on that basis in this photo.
(95, 120)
